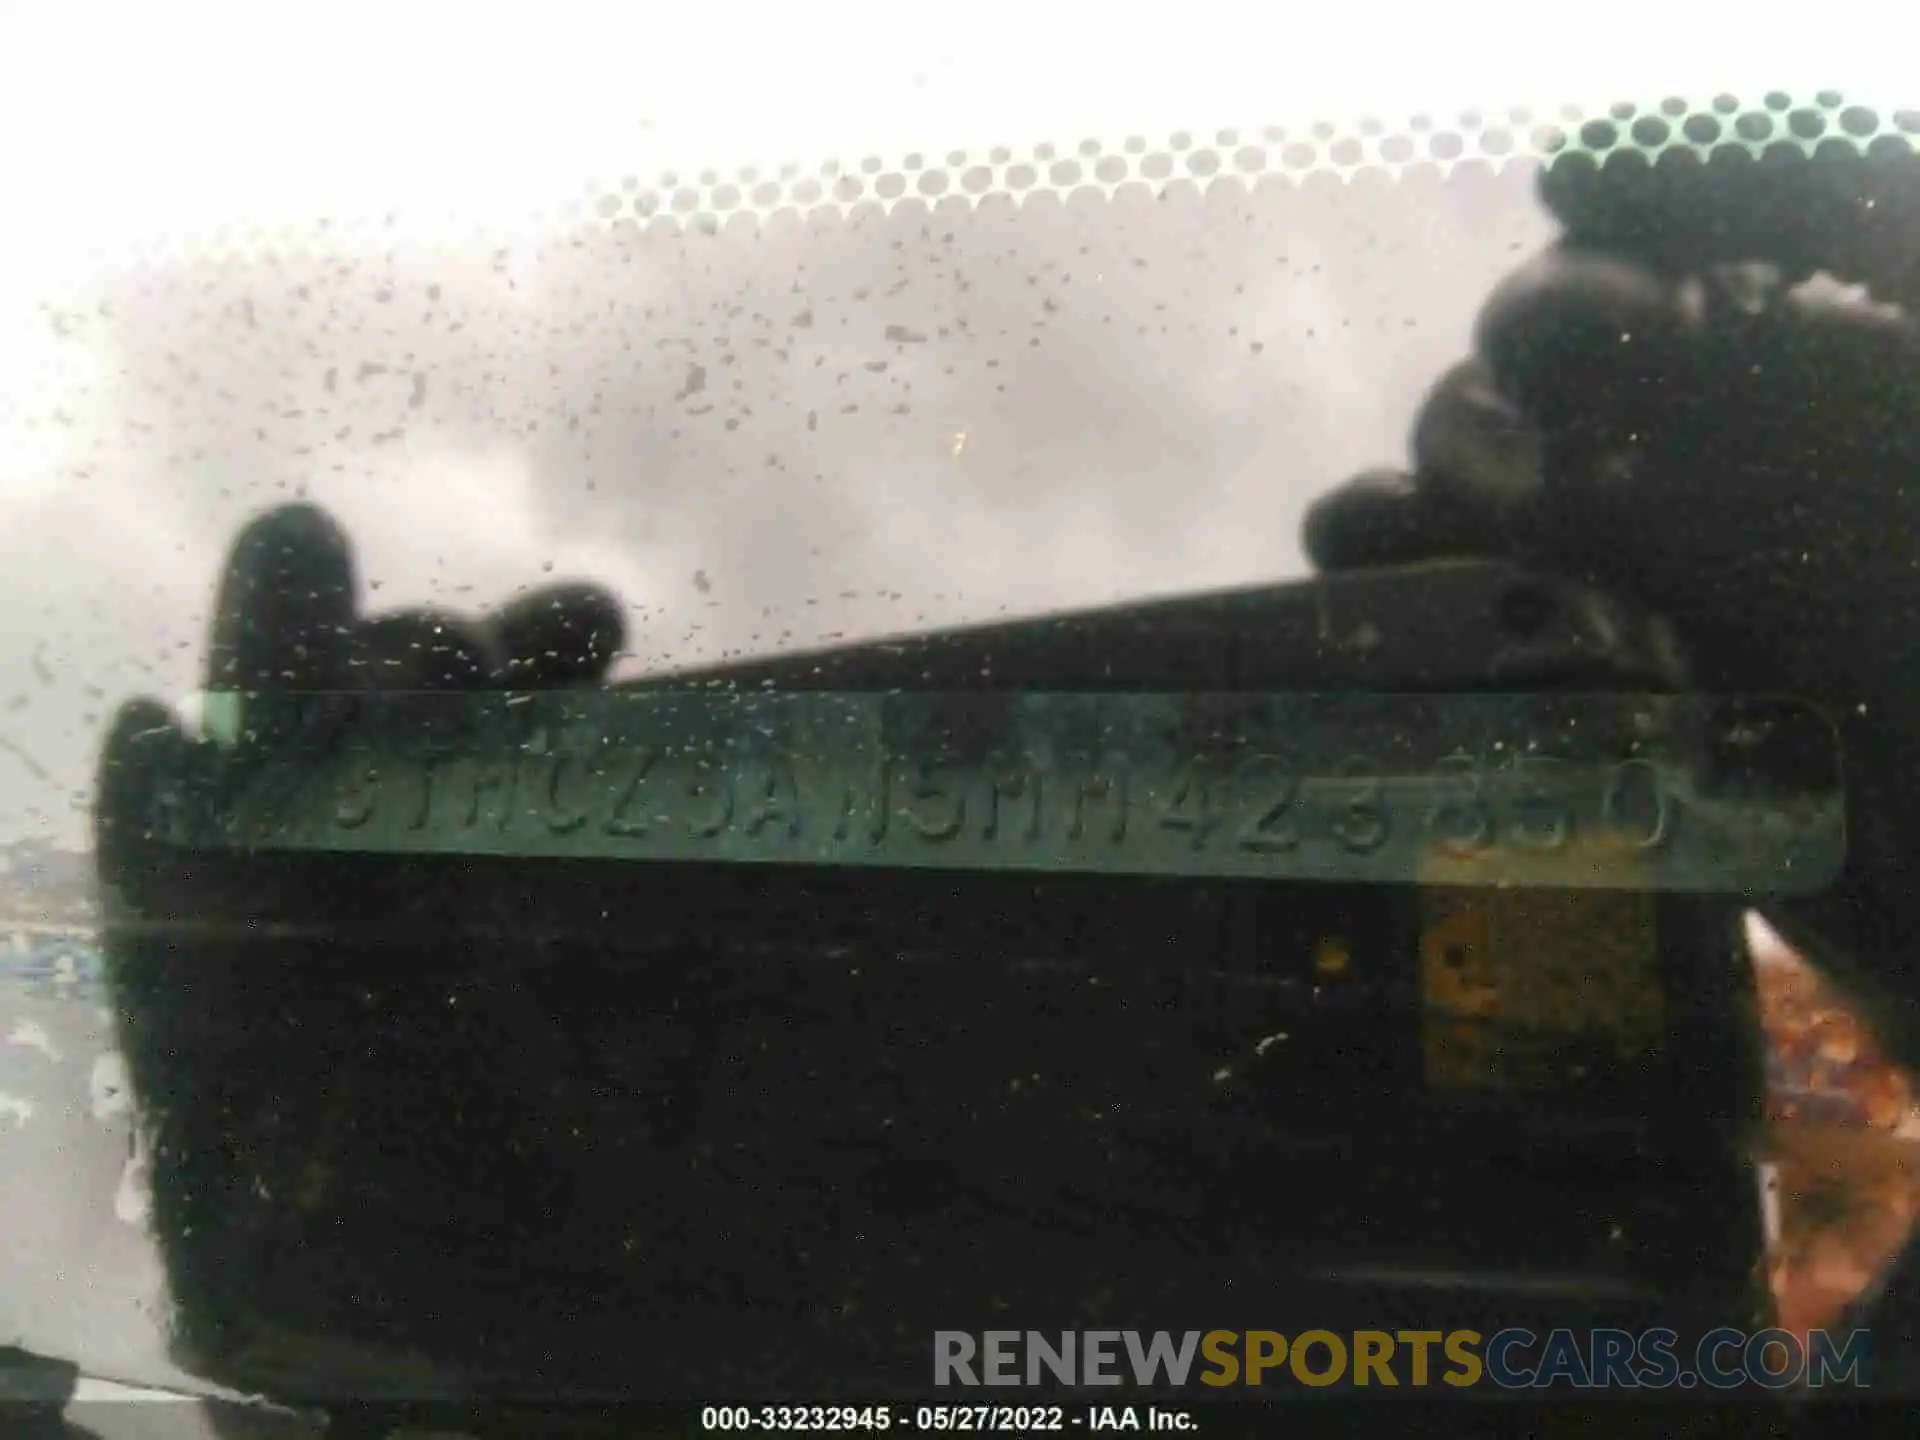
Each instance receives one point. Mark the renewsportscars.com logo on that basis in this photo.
(1513, 1359)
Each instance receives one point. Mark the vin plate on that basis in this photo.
(1558, 790)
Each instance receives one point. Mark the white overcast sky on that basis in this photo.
(1204, 366)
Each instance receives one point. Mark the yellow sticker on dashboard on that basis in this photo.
(1538, 990)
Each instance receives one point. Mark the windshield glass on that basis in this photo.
(820, 686)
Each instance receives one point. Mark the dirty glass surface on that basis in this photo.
(798, 684)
